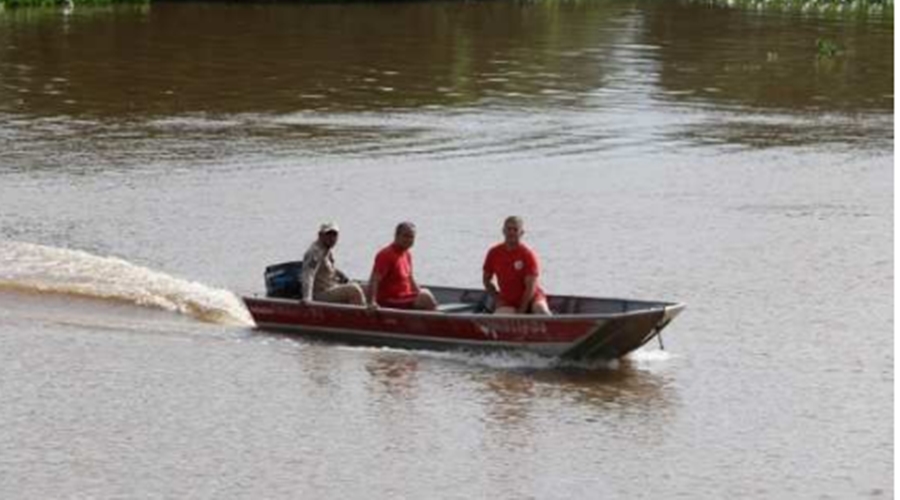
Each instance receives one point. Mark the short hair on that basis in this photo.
(514, 219)
(404, 226)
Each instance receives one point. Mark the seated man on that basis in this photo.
(320, 280)
(392, 283)
(517, 270)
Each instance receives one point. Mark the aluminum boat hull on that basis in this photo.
(582, 328)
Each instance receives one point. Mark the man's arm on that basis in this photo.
(412, 282)
(374, 282)
(487, 273)
(311, 263)
(488, 279)
(412, 276)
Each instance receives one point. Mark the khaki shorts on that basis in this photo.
(341, 294)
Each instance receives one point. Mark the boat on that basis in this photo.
(580, 329)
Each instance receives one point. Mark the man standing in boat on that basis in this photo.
(392, 283)
(517, 270)
(320, 279)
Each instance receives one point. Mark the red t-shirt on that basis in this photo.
(511, 267)
(395, 268)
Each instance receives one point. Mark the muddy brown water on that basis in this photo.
(154, 159)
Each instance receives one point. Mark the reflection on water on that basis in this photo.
(130, 86)
(510, 384)
(140, 62)
(626, 387)
(394, 373)
(623, 388)
(726, 57)
(278, 58)
(515, 401)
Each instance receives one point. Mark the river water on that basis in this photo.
(154, 159)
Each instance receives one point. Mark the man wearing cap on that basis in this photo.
(517, 270)
(392, 283)
(320, 280)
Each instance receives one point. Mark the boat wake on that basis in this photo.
(529, 361)
(500, 360)
(645, 359)
(30, 268)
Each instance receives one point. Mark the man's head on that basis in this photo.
(513, 229)
(328, 234)
(405, 235)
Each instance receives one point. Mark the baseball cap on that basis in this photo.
(328, 227)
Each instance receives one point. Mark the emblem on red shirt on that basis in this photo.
(519, 265)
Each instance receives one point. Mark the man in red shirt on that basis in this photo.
(517, 270)
(392, 283)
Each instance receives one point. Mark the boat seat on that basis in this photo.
(457, 307)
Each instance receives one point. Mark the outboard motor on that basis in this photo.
(283, 280)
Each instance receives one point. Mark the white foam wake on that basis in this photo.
(501, 360)
(41, 269)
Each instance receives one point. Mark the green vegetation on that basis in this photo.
(62, 3)
(822, 7)
(827, 47)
